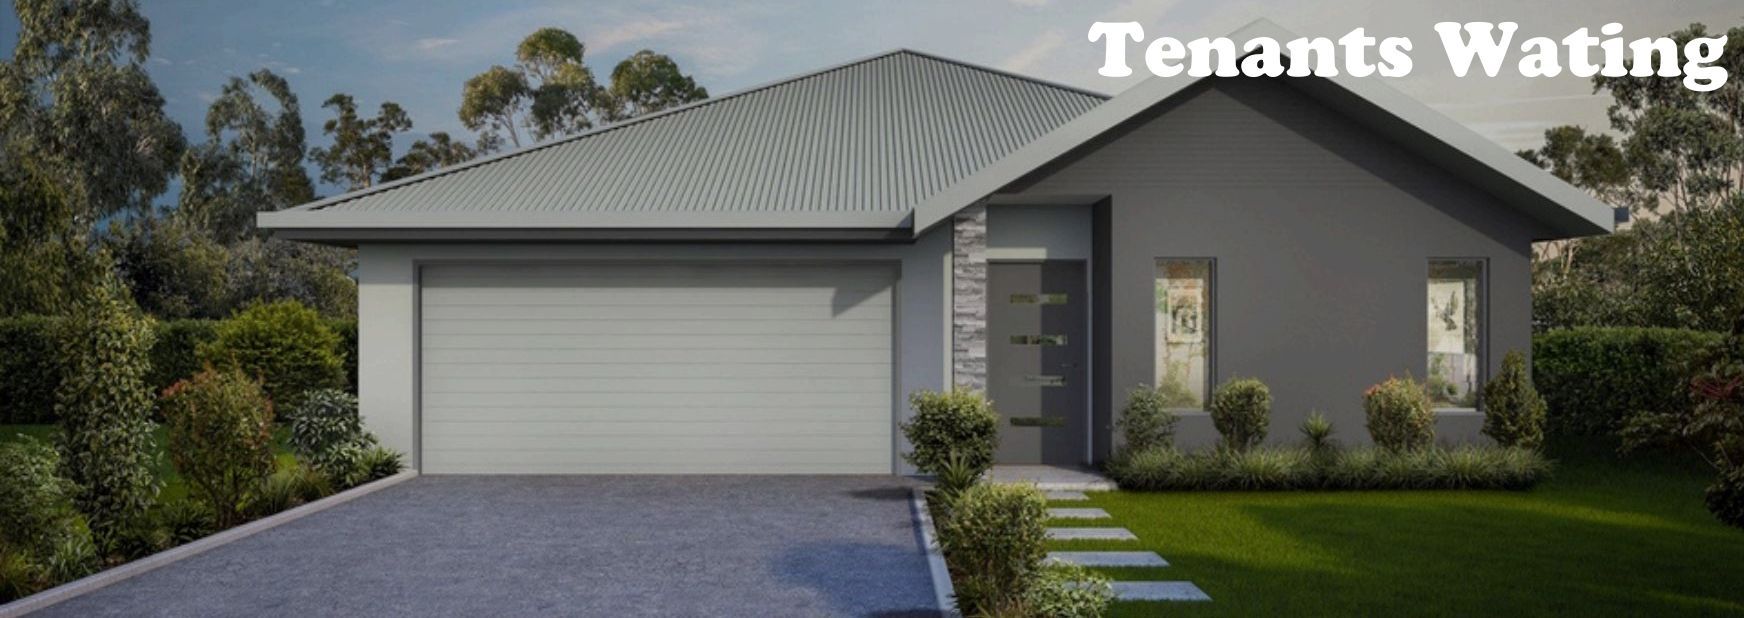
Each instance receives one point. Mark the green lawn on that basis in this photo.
(173, 487)
(1605, 537)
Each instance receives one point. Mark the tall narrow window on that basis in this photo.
(1456, 332)
(1183, 335)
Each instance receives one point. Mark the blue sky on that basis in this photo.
(418, 52)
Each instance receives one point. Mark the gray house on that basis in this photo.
(753, 283)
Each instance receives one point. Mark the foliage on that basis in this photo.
(372, 463)
(252, 159)
(434, 153)
(1593, 379)
(1146, 421)
(957, 474)
(288, 488)
(1725, 497)
(185, 520)
(1068, 591)
(647, 82)
(29, 373)
(961, 421)
(1317, 432)
(1303, 468)
(104, 405)
(495, 102)
(174, 270)
(1399, 416)
(273, 270)
(1513, 411)
(220, 438)
(363, 148)
(175, 351)
(1241, 409)
(327, 434)
(994, 541)
(285, 345)
(36, 506)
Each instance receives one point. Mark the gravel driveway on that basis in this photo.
(599, 545)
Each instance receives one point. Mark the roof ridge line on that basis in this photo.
(411, 180)
(1004, 73)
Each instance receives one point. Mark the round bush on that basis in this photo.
(1399, 418)
(1513, 411)
(961, 421)
(323, 420)
(285, 345)
(1725, 497)
(220, 438)
(1147, 422)
(35, 507)
(1241, 409)
(994, 541)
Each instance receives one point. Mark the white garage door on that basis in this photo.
(670, 368)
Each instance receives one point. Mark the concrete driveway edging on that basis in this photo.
(107, 577)
(943, 590)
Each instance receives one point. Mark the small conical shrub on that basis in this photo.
(1513, 411)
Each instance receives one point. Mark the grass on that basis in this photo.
(1604, 537)
(174, 488)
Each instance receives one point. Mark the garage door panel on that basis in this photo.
(613, 368)
(473, 370)
(592, 356)
(745, 416)
(761, 326)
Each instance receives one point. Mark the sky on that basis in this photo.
(419, 52)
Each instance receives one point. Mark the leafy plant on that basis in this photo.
(1317, 432)
(1594, 379)
(285, 345)
(1241, 409)
(960, 421)
(220, 438)
(1399, 417)
(104, 408)
(327, 433)
(1513, 411)
(36, 509)
(1301, 468)
(1712, 428)
(185, 521)
(1068, 591)
(994, 541)
(1147, 422)
(1725, 497)
(288, 488)
(958, 474)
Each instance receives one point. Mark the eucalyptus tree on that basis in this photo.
(251, 161)
(363, 148)
(648, 82)
(437, 151)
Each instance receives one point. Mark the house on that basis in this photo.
(753, 283)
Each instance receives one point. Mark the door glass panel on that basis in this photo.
(1047, 340)
(1183, 331)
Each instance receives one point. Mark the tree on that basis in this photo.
(362, 148)
(551, 91)
(648, 82)
(431, 154)
(252, 159)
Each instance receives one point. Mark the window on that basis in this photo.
(1183, 332)
(1456, 332)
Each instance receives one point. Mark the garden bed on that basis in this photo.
(1297, 468)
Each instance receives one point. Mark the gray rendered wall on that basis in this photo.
(1321, 234)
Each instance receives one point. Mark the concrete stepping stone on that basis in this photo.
(1077, 513)
(1108, 558)
(1091, 534)
(1158, 591)
(1066, 496)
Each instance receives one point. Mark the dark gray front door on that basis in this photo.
(1036, 360)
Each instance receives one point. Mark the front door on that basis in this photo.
(1036, 360)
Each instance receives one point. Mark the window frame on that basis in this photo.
(1483, 351)
(1211, 286)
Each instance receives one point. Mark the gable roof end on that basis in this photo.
(1563, 208)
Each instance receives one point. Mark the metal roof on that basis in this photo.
(856, 145)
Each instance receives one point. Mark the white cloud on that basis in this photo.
(1040, 49)
(631, 32)
(428, 44)
(161, 60)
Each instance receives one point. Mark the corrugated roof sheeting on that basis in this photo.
(879, 135)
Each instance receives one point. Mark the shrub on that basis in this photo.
(175, 353)
(1592, 379)
(285, 345)
(220, 438)
(35, 504)
(994, 541)
(288, 488)
(72, 557)
(1513, 411)
(1241, 409)
(18, 577)
(104, 406)
(373, 462)
(961, 421)
(1399, 418)
(1725, 498)
(1317, 432)
(1068, 591)
(956, 475)
(1294, 468)
(185, 521)
(1147, 422)
(327, 434)
(347, 331)
(29, 373)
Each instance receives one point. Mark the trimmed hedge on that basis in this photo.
(1300, 468)
(1594, 378)
(29, 373)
